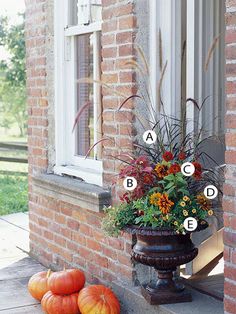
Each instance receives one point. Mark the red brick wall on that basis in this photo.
(62, 234)
(230, 183)
(118, 35)
(35, 33)
(36, 85)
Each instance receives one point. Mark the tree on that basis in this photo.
(13, 76)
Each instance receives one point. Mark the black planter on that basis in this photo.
(164, 250)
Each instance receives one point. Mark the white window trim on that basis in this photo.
(195, 51)
(167, 16)
(160, 13)
(67, 163)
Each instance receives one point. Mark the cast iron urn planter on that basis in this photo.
(164, 250)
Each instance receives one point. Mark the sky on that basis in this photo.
(10, 8)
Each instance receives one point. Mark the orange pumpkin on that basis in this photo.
(38, 284)
(98, 299)
(66, 281)
(60, 304)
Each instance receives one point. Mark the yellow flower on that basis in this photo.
(166, 217)
(210, 212)
(186, 198)
(154, 198)
(194, 210)
(162, 201)
(185, 213)
(182, 204)
(176, 223)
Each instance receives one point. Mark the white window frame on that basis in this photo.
(67, 163)
(204, 82)
(166, 16)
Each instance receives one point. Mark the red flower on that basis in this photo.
(139, 213)
(148, 178)
(142, 161)
(198, 170)
(182, 155)
(175, 168)
(197, 166)
(197, 175)
(167, 156)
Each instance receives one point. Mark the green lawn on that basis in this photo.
(13, 184)
(13, 194)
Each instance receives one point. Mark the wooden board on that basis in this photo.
(14, 295)
(31, 309)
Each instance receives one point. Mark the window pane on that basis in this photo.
(84, 69)
(96, 11)
(84, 12)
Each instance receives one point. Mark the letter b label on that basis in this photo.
(130, 183)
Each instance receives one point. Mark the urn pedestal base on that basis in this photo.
(166, 290)
(165, 297)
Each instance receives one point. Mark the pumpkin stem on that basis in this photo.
(64, 268)
(49, 273)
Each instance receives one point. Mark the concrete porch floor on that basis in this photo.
(16, 267)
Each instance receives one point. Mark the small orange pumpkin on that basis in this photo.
(60, 304)
(38, 284)
(66, 281)
(98, 299)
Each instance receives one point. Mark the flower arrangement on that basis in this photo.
(162, 198)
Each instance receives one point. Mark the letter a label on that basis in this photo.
(149, 137)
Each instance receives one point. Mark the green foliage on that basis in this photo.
(117, 217)
(149, 215)
(13, 76)
(13, 194)
(175, 185)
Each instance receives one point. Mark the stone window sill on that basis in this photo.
(72, 191)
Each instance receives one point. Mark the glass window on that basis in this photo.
(78, 57)
(85, 93)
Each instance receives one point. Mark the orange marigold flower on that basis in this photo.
(203, 202)
(165, 204)
(168, 156)
(162, 201)
(161, 170)
(175, 168)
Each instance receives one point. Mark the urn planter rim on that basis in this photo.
(140, 230)
(132, 229)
